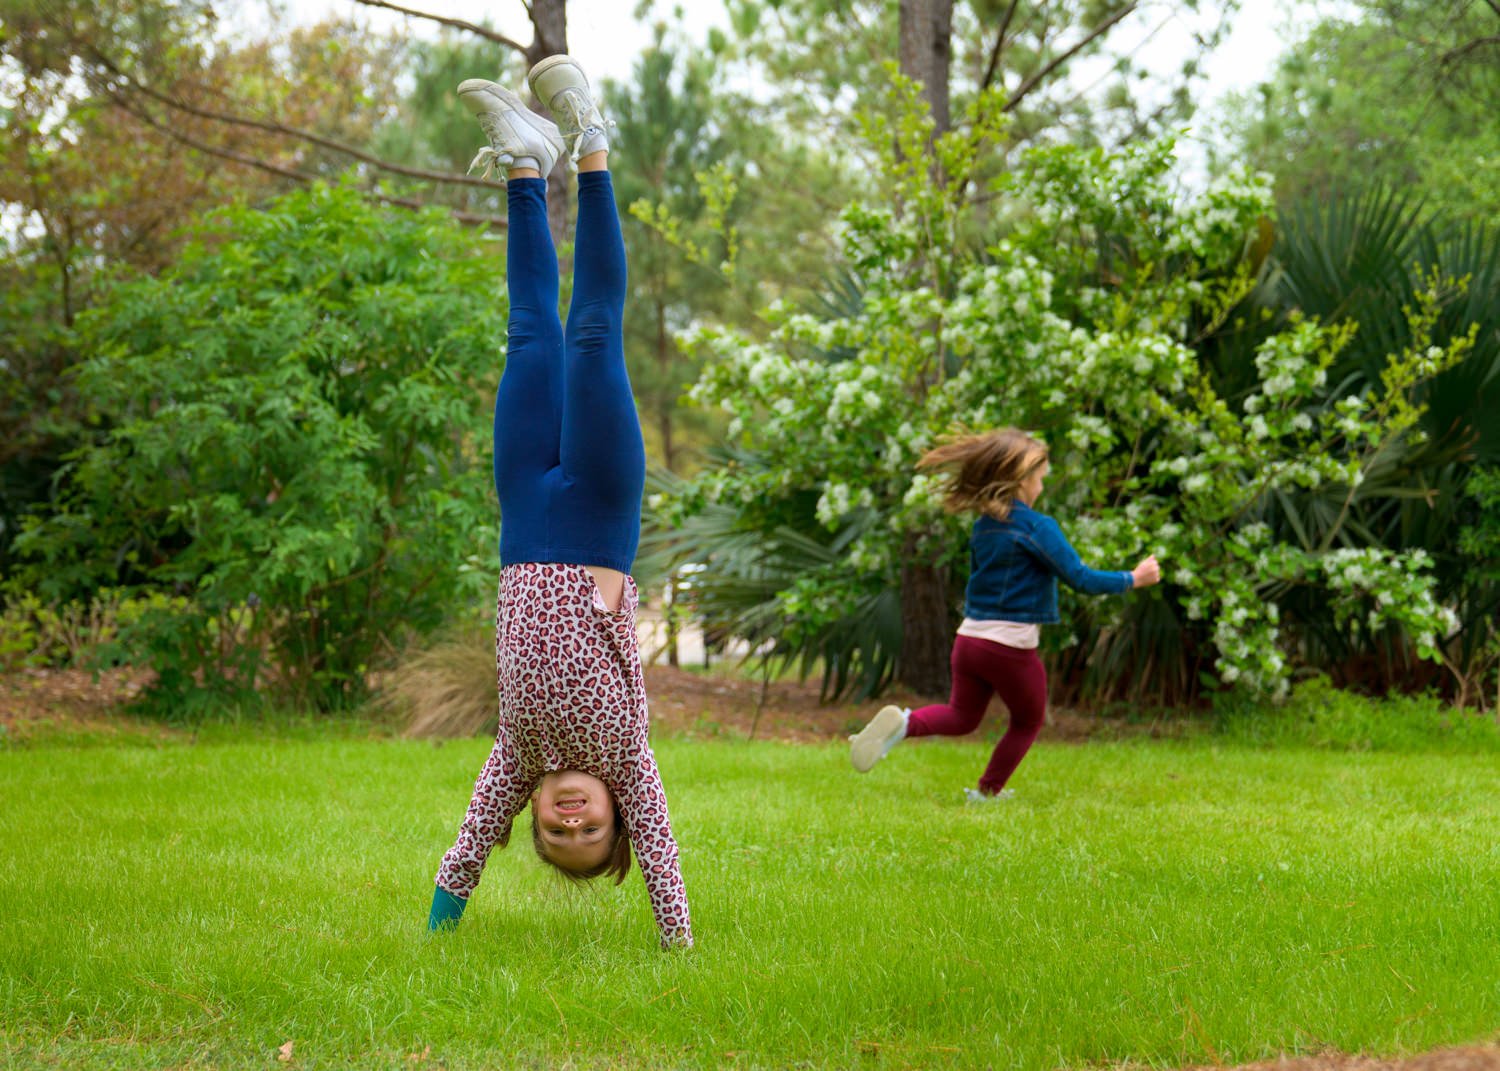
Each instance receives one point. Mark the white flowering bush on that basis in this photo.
(1075, 321)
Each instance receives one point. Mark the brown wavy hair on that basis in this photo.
(617, 862)
(985, 471)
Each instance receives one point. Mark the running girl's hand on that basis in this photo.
(1146, 573)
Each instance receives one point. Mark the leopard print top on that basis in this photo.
(572, 697)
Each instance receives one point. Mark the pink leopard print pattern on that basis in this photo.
(572, 697)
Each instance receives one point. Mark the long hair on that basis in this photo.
(985, 471)
(617, 862)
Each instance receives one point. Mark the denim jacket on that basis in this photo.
(1014, 566)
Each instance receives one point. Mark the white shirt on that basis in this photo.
(1018, 634)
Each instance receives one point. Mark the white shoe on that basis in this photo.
(874, 742)
(973, 795)
(519, 137)
(560, 84)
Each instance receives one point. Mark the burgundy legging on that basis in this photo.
(982, 668)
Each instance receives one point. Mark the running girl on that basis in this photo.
(1016, 556)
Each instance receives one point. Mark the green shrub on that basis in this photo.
(1480, 540)
(104, 630)
(294, 444)
(19, 646)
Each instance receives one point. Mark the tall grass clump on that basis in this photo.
(446, 689)
(1318, 715)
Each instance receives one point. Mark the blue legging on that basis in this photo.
(570, 466)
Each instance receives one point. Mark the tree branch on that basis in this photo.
(1083, 92)
(1142, 126)
(295, 132)
(989, 71)
(285, 172)
(1035, 80)
(125, 105)
(459, 24)
(1463, 50)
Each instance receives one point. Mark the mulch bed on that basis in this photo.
(683, 702)
(74, 700)
(711, 705)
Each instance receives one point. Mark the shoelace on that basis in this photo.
(585, 116)
(493, 161)
(492, 158)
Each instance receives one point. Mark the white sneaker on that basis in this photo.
(519, 137)
(560, 84)
(973, 795)
(874, 742)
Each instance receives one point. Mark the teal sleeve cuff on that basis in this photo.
(447, 909)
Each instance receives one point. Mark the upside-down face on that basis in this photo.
(575, 815)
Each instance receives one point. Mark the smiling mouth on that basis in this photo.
(571, 804)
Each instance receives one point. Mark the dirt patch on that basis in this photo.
(72, 701)
(699, 704)
(683, 702)
(1463, 1058)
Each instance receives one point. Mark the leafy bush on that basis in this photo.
(1479, 543)
(82, 634)
(1366, 259)
(294, 437)
(1074, 321)
(19, 642)
(1480, 540)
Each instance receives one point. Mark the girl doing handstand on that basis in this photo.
(569, 470)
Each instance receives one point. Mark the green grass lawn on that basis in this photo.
(1167, 903)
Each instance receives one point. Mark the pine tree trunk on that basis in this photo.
(926, 28)
(926, 46)
(664, 349)
(549, 21)
(926, 623)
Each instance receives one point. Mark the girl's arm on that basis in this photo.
(643, 806)
(1063, 560)
(500, 794)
